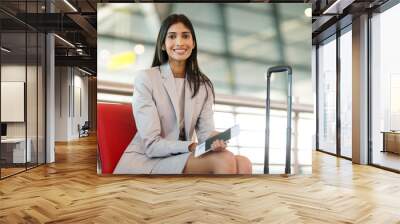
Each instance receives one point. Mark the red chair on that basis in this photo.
(115, 130)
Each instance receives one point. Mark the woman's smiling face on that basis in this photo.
(178, 42)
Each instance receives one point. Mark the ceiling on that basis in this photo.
(79, 26)
(75, 23)
(331, 15)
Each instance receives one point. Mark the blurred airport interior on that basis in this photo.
(237, 43)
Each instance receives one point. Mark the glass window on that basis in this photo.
(304, 139)
(251, 47)
(327, 96)
(251, 141)
(199, 13)
(238, 17)
(216, 69)
(210, 40)
(346, 94)
(13, 82)
(22, 92)
(385, 86)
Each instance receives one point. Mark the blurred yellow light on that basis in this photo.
(122, 60)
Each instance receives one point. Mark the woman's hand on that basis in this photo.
(192, 147)
(218, 146)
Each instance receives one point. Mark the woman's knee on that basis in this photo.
(243, 165)
(224, 163)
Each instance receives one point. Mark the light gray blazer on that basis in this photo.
(155, 111)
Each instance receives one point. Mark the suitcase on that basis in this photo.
(271, 70)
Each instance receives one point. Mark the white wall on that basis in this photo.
(33, 126)
(62, 80)
(16, 73)
(80, 94)
(69, 85)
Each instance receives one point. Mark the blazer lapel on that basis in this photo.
(169, 85)
(188, 109)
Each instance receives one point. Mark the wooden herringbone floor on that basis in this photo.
(70, 191)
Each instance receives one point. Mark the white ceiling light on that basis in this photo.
(308, 12)
(5, 50)
(70, 5)
(65, 41)
(139, 49)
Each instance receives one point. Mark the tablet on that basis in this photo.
(225, 136)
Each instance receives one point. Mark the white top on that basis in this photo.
(180, 91)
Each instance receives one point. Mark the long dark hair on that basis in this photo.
(193, 74)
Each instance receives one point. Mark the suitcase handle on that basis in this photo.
(276, 69)
(282, 68)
